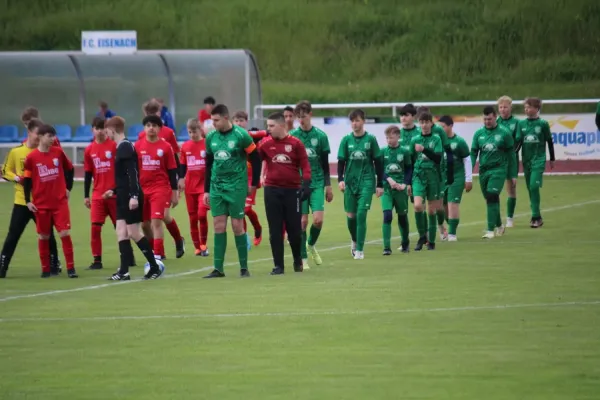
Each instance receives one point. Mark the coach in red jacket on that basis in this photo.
(284, 159)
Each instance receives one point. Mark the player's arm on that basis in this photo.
(342, 158)
(509, 148)
(88, 167)
(172, 168)
(257, 135)
(548, 139)
(182, 165)
(253, 157)
(68, 170)
(27, 181)
(474, 150)
(436, 154)
(210, 159)
(377, 162)
(9, 168)
(408, 169)
(598, 116)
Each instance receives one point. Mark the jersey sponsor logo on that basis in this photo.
(489, 147)
(231, 144)
(193, 162)
(531, 139)
(358, 155)
(46, 173)
(281, 159)
(314, 141)
(160, 152)
(222, 155)
(147, 161)
(393, 168)
(108, 154)
(288, 148)
(101, 166)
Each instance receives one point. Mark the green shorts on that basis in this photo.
(508, 177)
(534, 177)
(230, 202)
(454, 192)
(395, 200)
(492, 181)
(353, 202)
(426, 184)
(316, 201)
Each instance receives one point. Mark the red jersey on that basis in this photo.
(193, 154)
(99, 159)
(168, 135)
(203, 115)
(285, 159)
(47, 173)
(154, 161)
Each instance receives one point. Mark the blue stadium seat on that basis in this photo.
(63, 132)
(23, 136)
(133, 131)
(183, 136)
(83, 134)
(9, 133)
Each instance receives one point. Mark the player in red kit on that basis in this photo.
(158, 179)
(240, 118)
(99, 166)
(192, 168)
(48, 181)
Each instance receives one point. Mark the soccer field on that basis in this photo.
(517, 317)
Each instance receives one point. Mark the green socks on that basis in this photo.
(432, 228)
(242, 248)
(314, 235)
(493, 214)
(452, 226)
(441, 215)
(351, 222)
(421, 219)
(511, 204)
(361, 229)
(303, 245)
(220, 247)
(387, 235)
(534, 198)
(403, 225)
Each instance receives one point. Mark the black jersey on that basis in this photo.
(127, 177)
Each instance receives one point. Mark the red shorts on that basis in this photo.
(251, 199)
(102, 208)
(60, 218)
(195, 204)
(155, 204)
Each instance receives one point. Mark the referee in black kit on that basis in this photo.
(130, 202)
(285, 158)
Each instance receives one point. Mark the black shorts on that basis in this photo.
(124, 213)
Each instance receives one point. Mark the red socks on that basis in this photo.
(194, 231)
(67, 245)
(44, 250)
(174, 230)
(96, 240)
(253, 217)
(203, 230)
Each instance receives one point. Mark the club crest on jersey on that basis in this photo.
(538, 129)
(512, 127)
(55, 162)
(231, 144)
(367, 146)
(400, 157)
(431, 145)
(314, 141)
(498, 138)
(108, 154)
(288, 148)
(160, 152)
(203, 154)
(453, 146)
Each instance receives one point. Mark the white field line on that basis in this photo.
(260, 260)
(308, 313)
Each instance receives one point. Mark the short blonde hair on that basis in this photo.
(193, 124)
(392, 130)
(504, 100)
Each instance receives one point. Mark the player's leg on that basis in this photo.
(203, 221)
(219, 210)
(441, 214)
(420, 194)
(350, 207)
(172, 227)
(236, 202)
(146, 222)
(133, 220)
(18, 221)
(304, 209)
(156, 203)
(511, 202)
(497, 181)
(125, 251)
(253, 218)
(61, 218)
(191, 202)
(454, 197)
(98, 214)
(274, 209)
(43, 225)
(433, 191)
(292, 215)
(535, 184)
(387, 206)
(317, 206)
(55, 268)
(401, 206)
(491, 187)
(365, 198)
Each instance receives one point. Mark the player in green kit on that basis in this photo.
(494, 146)
(463, 176)
(507, 120)
(317, 149)
(409, 129)
(427, 153)
(533, 133)
(397, 176)
(228, 150)
(360, 173)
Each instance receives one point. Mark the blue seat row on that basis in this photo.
(83, 133)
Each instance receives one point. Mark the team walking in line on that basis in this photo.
(136, 184)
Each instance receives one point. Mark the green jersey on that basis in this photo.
(598, 108)
(510, 124)
(317, 146)
(420, 160)
(396, 160)
(229, 149)
(359, 153)
(460, 150)
(494, 148)
(406, 136)
(533, 134)
(439, 131)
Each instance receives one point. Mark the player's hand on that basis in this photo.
(391, 182)
(87, 203)
(379, 192)
(342, 186)
(174, 198)
(31, 207)
(108, 194)
(401, 186)
(514, 182)
(409, 190)
(68, 195)
(419, 147)
(328, 194)
(551, 164)
(263, 178)
(468, 186)
(251, 190)
(133, 204)
(207, 199)
(19, 179)
(181, 185)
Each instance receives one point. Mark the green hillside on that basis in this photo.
(352, 50)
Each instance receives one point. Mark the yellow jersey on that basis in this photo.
(13, 168)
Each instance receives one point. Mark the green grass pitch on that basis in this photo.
(517, 317)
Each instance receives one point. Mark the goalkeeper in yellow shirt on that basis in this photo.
(12, 171)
